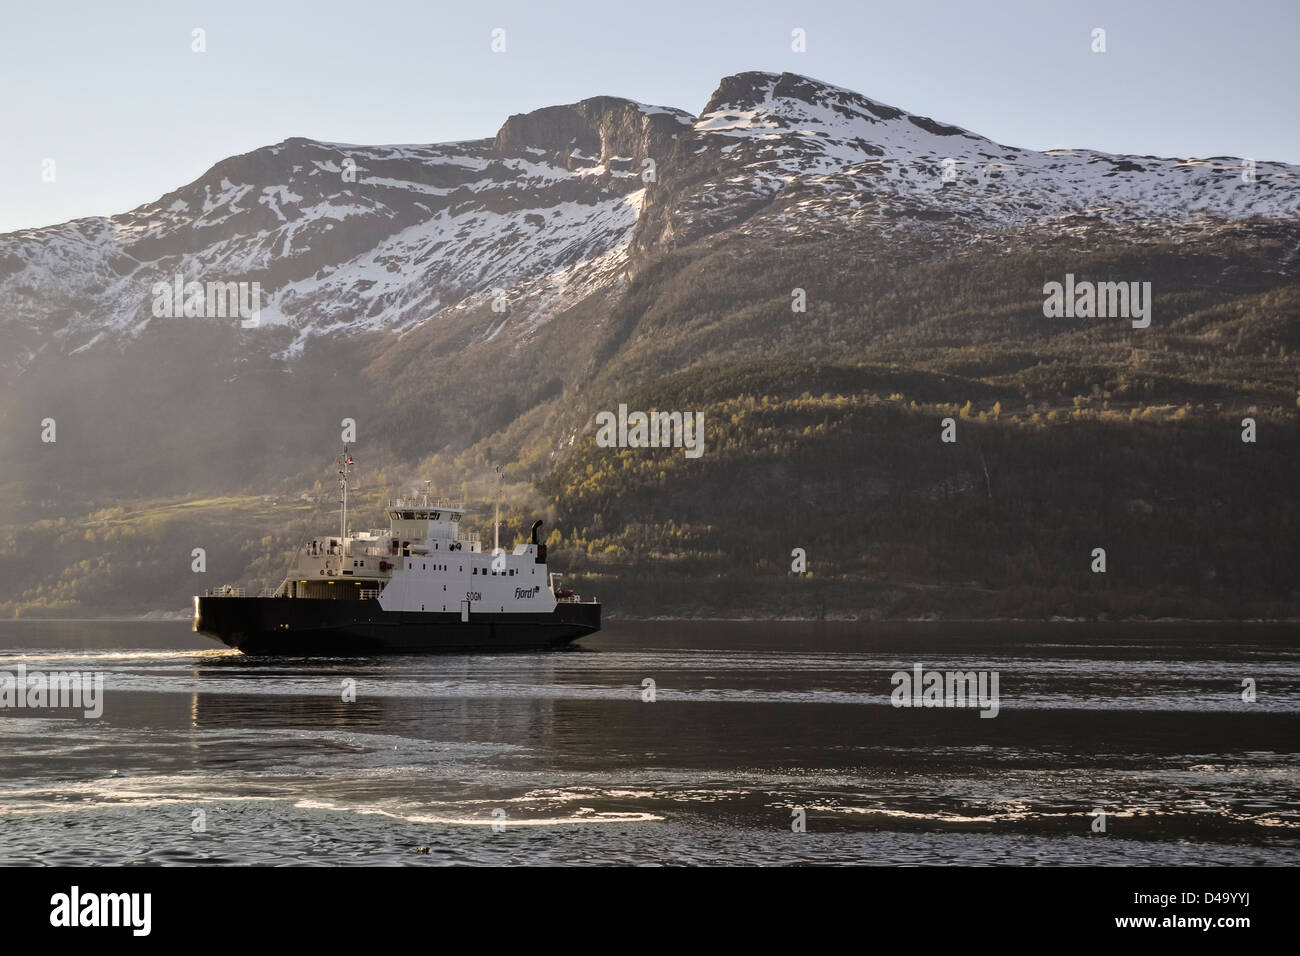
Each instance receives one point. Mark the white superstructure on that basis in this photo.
(440, 570)
(424, 562)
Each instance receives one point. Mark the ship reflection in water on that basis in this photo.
(560, 757)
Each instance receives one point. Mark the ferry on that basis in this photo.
(421, 585)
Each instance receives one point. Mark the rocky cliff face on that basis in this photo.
(602, 130)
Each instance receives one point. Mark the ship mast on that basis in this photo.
(496, 530)
(344, 461)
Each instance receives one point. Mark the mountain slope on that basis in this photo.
(476, 303)
(353, 238)
(795, 154)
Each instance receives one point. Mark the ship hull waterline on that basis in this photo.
(329, 626)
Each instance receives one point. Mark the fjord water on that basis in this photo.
(203, 755)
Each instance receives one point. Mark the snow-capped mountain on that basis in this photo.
(561, 204)
(786, 153)
(345, 237)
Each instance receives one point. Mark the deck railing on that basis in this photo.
(427, 502)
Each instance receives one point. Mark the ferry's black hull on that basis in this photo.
(298, 626)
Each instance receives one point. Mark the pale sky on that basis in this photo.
(113, 93)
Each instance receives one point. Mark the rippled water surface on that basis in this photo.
(204, 755)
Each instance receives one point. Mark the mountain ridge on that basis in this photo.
(557, 206)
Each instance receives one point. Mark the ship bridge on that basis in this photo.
(360, 564)
(422, 524)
